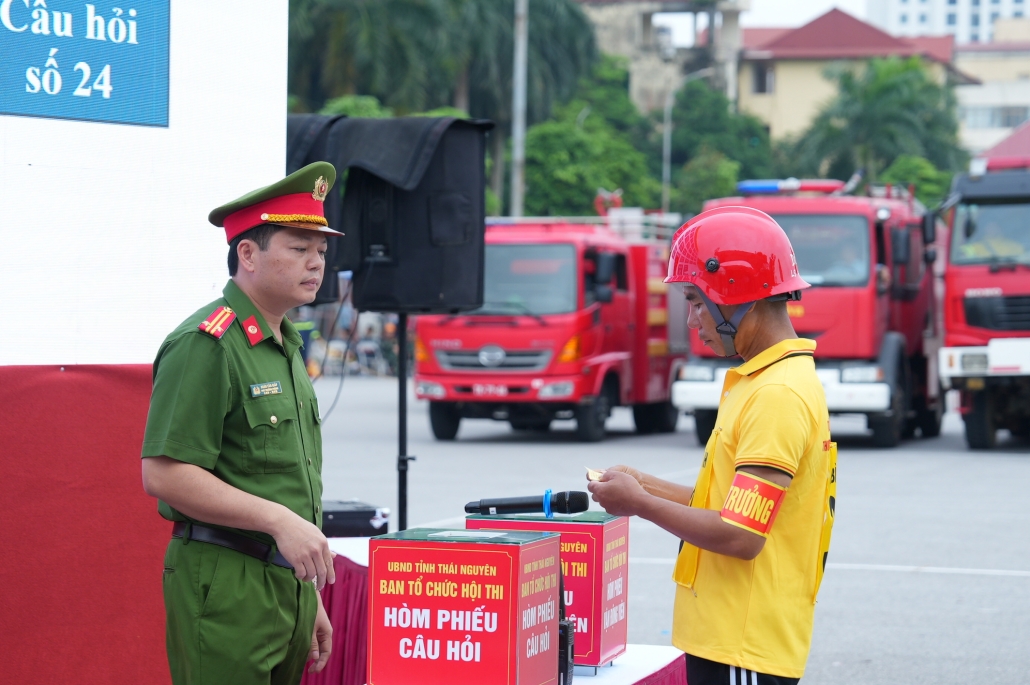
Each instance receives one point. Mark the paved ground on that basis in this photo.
(930, 564)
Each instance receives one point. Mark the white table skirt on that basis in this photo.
(638, 662)
(355, 549)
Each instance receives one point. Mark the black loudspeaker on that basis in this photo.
(307, 136)
(413, 211)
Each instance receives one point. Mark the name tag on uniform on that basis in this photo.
(262, 389)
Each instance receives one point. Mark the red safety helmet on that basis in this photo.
(734, 255)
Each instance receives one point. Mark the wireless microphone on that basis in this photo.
(557, 503)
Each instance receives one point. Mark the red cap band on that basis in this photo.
(249, 217)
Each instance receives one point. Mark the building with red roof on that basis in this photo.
(783, 78)
(1014, 146)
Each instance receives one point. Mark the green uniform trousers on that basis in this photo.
(233, 619)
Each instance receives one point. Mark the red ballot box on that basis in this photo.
(461, 606)
(594, 561)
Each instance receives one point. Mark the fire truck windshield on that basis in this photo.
(529, 279)
(995, 234)
(831, 249)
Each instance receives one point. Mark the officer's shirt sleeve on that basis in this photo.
(190, 400)
(774, 430)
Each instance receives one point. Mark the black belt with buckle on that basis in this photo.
(223, 538)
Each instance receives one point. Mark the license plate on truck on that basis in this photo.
(489, 390)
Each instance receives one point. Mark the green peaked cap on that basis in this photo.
(300, 181)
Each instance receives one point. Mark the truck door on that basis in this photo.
(882, 319)
(616, 322)
(619, 311)
(908, 315)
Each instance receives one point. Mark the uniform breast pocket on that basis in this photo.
(273, 441)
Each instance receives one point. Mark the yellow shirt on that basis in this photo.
(758, 614)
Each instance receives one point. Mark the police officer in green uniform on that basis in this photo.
(233, 452)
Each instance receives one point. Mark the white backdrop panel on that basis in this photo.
(104, 241)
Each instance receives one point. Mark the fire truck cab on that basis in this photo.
(871, 308)
(987, 299)
(575, 321)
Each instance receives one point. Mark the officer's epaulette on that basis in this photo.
(218, 323)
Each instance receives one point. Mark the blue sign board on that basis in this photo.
(67, 59)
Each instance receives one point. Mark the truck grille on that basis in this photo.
(514, 360)
(999, 313)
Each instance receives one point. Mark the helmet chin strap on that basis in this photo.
(727, 329)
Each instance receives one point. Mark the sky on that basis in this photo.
(767, 13)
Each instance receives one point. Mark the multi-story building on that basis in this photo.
(656, 66)
(970, 21)
(992, 109)
(784, 77)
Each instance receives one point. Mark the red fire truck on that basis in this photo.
(987, 299)
(871, 309)
(575, 321)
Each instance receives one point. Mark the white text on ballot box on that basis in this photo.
(594, 556)
(460, 606)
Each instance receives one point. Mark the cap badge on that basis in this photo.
(321, 189)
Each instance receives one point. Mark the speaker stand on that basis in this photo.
(402, 422)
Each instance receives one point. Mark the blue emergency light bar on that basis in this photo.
(774, 186)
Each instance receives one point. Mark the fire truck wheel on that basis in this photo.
(887, 429)
(930, 419)
(659, 417)
(981, 429)
(642, 419)
(444, 420)
(666, 417)
(591, 417)
(704, 424)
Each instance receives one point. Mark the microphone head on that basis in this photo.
(570, 502)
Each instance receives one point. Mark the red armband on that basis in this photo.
(752, 503)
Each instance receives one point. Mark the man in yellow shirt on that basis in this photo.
(746, 588)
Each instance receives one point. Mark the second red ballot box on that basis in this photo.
(463, 606)
(594, 561)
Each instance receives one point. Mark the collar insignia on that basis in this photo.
(253, 331)
(321, 189)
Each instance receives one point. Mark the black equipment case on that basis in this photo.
(353, 519)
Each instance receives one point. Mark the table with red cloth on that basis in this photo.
(346, 602)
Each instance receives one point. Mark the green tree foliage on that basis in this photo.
(932, 185)
(606, 91)
(891, 107)
(599, 139)
(561, 50)
(387, 48)
(708, 175)
(701, 118)
(570, 157)
(357, 106)
(417, 55)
